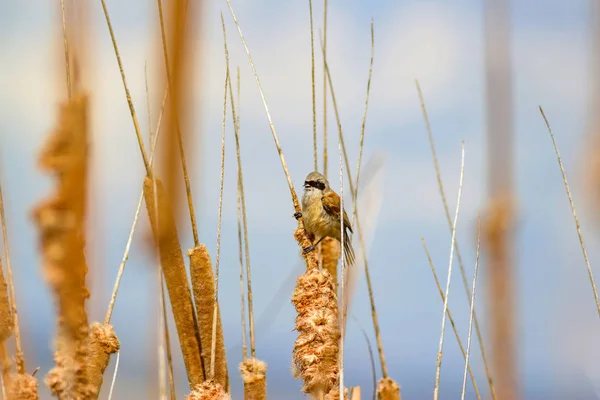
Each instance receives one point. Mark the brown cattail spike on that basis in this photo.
(208, 390)
(22, 387)
(254, 374)
(388, 389)
(316, 349)
(60, 221)
(171, 258)
(330, 250)
(203, 286)
(103, 343)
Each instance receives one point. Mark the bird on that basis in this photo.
(321, 214)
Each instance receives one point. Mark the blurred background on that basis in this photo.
(439, 43)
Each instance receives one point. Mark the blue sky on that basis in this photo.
(437, 42)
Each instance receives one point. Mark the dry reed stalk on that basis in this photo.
(201, 271)
(208, 390)
(355, 393)
(330, 253)
(60, 221)
(103, 342)
(573, 211)
(178, 76)
(171, 258)
(472, 311)
(388, 389)
(314, 100)
(447, 292)
(497, 232)
(325, 163)
(317, 346)
(6, 319)
(451, 319)
(458, 253)
(499, 227)
(253, 373)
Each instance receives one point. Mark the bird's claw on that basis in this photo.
(298, 215)
(308, 249)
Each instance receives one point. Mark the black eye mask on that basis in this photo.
(315, 184)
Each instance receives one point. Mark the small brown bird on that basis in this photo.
(321, 214)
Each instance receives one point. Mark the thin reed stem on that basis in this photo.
(117, 284)
(271, 125)
(20, 359)
(66, 48)
(186, 177)
(136, 126)
(240, 240)
(325, 163)
(242, 196)
(314, 101)
(213, 347)
(464, 385)
(577, 225)
(343, 270)
(114, 379)
(450, 318)
(167, 339)
(364, 121)
(447, 292)
(353, 190)
(458, 254)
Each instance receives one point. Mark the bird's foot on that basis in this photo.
(298, 215)
(308, 249)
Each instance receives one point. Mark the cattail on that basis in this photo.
(330, 253)
(22, 387)
(208, 390)
(203, 285)
(388, 389)
(334, 394)
(60, 221)
(316, 349)
(102, 343)
(171, 258)
(254, 374)
(355, 393)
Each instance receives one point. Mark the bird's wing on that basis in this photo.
(331, 205)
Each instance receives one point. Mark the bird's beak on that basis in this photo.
(306, 185)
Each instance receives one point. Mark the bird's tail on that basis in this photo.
(348, 250)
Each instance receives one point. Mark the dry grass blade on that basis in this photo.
(451, 319)
(464, 385)
(572, 204)
(458, 254)
(9, 320)
(114, 379)
(371, 356)
(447, 292)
